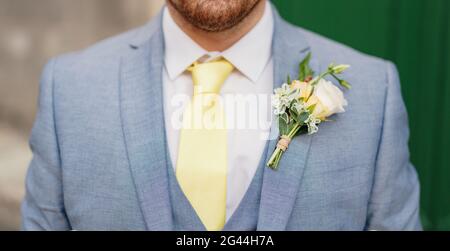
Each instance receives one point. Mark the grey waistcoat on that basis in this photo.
(245, 218)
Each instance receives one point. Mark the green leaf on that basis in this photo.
(303, 117)
(284, 122)
(283, 126)
(288, 80)
(294, 114)
(305, 70)
(285, 117)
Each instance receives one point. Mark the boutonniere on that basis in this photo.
(302, 104)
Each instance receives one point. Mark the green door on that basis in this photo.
(415, 34)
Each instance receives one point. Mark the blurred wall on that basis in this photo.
(31, 32)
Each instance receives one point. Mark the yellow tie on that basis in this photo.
(202, 154)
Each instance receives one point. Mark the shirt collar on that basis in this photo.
(249, 55)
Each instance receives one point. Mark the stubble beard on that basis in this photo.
(214, 15)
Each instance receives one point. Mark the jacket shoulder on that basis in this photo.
(327, 48)
(105, 51)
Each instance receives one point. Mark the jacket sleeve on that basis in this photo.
(43, 207)
(394, 203)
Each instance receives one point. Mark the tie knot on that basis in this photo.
(209, 77)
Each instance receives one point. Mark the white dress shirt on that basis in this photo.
(252, 80)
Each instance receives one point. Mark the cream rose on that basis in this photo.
(328, 98)
(305, 88)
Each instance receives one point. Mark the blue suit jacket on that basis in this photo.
(100, 149)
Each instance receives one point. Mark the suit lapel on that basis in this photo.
(143, 124)
(280, 187)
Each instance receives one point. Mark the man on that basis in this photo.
(110, 152)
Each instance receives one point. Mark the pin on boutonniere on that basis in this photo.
(302, 104)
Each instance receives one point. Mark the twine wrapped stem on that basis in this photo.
(282, 146)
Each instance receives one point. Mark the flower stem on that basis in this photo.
(275, 159)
